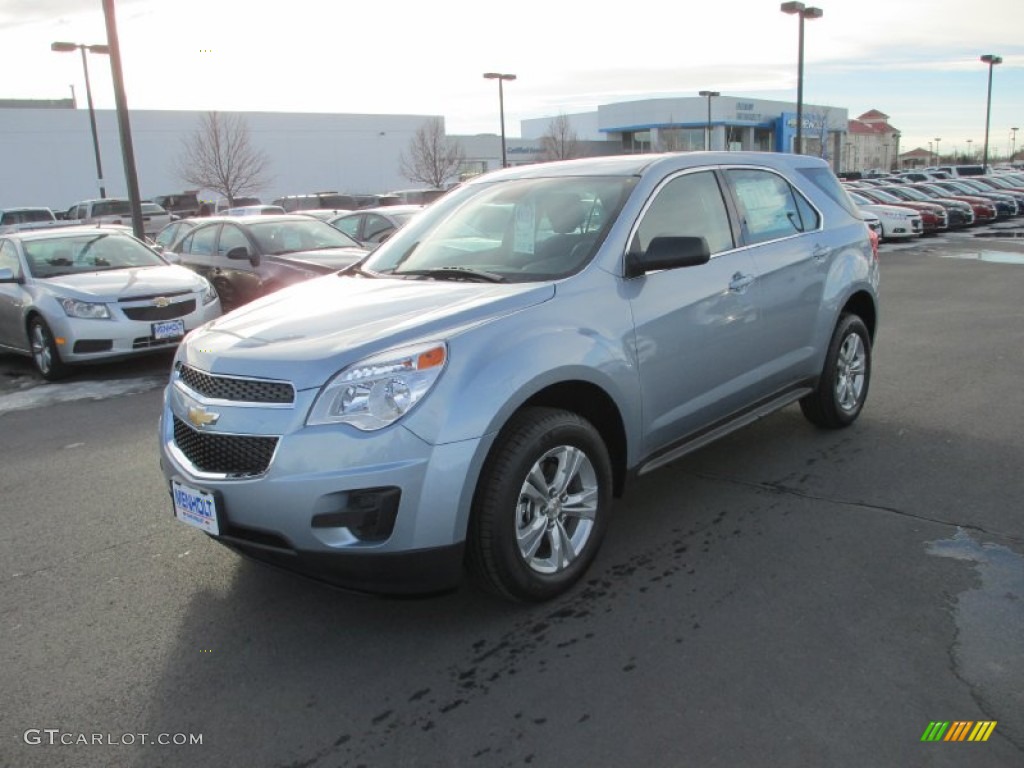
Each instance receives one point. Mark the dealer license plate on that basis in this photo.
(195, 507)
(169, 329)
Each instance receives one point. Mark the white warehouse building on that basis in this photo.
(49, 160)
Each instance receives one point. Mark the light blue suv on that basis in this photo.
(478, 388)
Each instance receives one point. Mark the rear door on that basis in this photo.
(791, 254)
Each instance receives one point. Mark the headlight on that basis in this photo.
(379, 390)
(209, 294)
(84, 309)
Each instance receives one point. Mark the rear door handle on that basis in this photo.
(740, 282)
(821, 252)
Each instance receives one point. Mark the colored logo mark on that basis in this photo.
(959, 730)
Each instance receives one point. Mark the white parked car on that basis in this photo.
(119, 211)
(897, 223)
(86, 294)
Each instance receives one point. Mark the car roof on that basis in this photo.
(386, 209)
(261, 218)
(637, 165)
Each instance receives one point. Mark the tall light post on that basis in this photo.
(991, 60)
(803, 12)
(1013, 144)
(707, 131)
(938, 155)
(501, 78)
(970, 153)
(66, 48)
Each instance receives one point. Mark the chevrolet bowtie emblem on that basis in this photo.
(161, 301)
(200, 417)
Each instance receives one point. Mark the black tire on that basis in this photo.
(843, 386)
(562, 527)
(44, 351)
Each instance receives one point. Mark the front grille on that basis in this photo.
(144, 342)
(236, 455)
(171, 311)
(234, 389)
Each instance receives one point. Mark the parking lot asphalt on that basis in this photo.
(783, 597)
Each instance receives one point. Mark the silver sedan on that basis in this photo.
(84, 294)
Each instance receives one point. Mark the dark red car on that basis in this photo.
(984, 210)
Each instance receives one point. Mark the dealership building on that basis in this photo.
(49, 158)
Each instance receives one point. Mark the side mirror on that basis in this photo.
(668, 253)
(7, 276)
(241, 253)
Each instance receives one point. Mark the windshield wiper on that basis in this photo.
(356, 268)
(453, 273)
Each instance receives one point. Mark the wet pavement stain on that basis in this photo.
(988, 655)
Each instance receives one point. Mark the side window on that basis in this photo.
(349, 225)
(200, 242)
(9, 258)
(231, 237)
(690, 205)
(768, 206)
(375, 227)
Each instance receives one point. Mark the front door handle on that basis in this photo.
(740, 282)
(821, 252)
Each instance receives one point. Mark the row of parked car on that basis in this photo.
(925, 202)
(58, 277)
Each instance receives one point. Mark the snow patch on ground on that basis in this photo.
(51, 394)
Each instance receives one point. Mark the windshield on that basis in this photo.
(518, 231)
(279, 237)
(92, 252)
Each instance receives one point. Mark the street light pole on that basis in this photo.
(938, 155)
(123, 122)
(970, 154)
(501, 77)
(1013, 144)
(991, 60)
(707, 133)
(803, 12)
(66, 47)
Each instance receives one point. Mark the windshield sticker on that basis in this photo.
(523, 241)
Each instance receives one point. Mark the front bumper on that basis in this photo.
(381, 511)
(82, 341)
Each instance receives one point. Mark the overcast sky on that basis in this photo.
(915, 60)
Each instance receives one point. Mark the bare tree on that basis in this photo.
(816, 138)
(433, 158)
(219, 156)
(560, 141)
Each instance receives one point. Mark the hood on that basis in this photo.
(310, 331)
(331, 258)
(116, 284)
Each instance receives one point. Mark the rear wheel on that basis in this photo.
(541, 507)
(44, 351)
(843, 385)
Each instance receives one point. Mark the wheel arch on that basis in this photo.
(862, 305)
(594, 404)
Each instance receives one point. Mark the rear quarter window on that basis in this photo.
(827, 182)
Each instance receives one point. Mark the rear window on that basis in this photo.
(111, 208)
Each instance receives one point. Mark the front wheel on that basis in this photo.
(541, 506)
(843, 386)
(44, 351)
